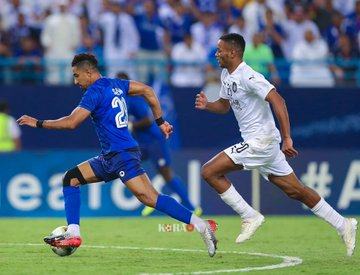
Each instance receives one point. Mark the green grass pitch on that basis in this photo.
(308, 238)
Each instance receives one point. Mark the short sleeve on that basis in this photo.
(90, 99)
(124, 85)
(257, 84)
(223, 93)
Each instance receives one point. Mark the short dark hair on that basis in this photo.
(122, 75)
(85, 59)
(235, 40)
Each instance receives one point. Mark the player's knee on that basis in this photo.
(73, 177)
(206, 172)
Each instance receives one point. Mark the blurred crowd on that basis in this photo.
(303, 42)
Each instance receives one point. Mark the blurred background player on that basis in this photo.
(9, 130)
(153, 146)
(105, 101)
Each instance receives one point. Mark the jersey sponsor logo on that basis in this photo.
(117, 91)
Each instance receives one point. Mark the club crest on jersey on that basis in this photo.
(117, 91)
(234, 87)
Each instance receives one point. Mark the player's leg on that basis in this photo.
(141, 187)
(159, 153)
(176, 185)
(296, 190)
(214, 172)
(72, 179)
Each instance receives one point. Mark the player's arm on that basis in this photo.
(220, 106)
(70, 122)
(279, 106)
(141, 89)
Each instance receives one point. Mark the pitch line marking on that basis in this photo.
(288, 261)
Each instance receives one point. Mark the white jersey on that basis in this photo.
(246, 91)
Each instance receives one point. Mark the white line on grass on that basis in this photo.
(287, 260)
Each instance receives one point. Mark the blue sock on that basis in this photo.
(72, 204)
(171, 207)
(178, 187)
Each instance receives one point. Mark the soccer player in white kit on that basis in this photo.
(249, 94)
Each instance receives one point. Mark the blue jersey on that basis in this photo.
(106, 100)
(139, 110)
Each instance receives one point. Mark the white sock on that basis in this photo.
(199, 223)
(73, 229)
(323, 210)
(232, 198)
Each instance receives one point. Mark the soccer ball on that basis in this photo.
(62, 251)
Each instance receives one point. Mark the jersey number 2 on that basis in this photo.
(121, 118)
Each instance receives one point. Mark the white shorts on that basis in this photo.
(268, 159)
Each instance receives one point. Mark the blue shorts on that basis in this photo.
(124, 165)
(157, 152)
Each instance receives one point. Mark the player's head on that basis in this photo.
(85, 70)
(122, 75)
(230, 49)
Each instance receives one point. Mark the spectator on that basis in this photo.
(254, 13)
(295, 29)
(207, 31)
(260, 57)
(5, 52)
(88, 45)
(189, 58)
(28, 68)
(9, 130)
(274, 34)
(309, 68)
(354, 18)
(228, 13)
(177, 21)
(60, 39)
(121, 40)
(339, 26)
(346, 61)
(345, 7)
(151, 56)
(241, 28)
(323, 12)
(20, 30)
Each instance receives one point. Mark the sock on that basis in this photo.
(178, 187)
(72, 204)
(323, 210)
(198, 223)
(73, 229)
(171, 207)
(232, 198)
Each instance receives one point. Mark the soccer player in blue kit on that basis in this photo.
(105, 102)
(153, 146)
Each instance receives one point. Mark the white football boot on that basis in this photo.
(248, 227)
(209, 237)
(349, 235)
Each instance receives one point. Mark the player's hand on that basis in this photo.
(201, 101)
(166, 128)
(288, 149)
(27, 120)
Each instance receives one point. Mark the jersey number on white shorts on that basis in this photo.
(121, 117)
